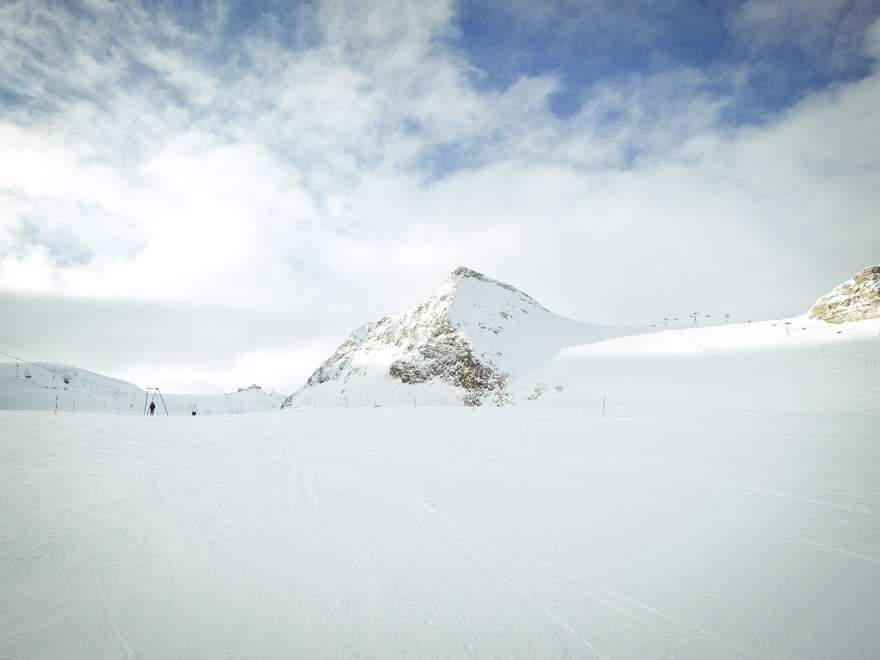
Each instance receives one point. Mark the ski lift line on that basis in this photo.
(30, 350)
(42, 366)
(154, 391)
(32, 363)
(56, 372)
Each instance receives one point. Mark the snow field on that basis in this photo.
(446, 532)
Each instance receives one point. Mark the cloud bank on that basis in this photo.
(261, 178)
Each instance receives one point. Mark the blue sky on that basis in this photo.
(313, 166)
(608, 39)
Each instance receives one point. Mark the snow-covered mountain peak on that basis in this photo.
(857, 299)
(469, 336)
(466, 284)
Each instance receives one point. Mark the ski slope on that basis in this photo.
(520, 532)
(49, 386)
(795, 366)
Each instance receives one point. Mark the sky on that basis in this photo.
(204, 194)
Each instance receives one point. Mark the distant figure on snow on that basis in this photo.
(152, 407)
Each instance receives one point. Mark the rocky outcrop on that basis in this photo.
(424, 345)
(471, 341)
(856, 299)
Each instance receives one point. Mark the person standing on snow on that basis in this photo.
(152, 407)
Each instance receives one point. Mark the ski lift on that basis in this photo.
(152, 399)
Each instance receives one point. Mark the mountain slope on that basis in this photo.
(39, 385)
(789, 366)
(476, 340)
(827, 360)
(463, 343)
(50, 386)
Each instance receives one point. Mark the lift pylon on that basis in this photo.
(148, 399)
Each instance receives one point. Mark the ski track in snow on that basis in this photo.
(681, 630)
(438, 533)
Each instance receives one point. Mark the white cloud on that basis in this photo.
(832, 32)
(872, 40)
(295, 180)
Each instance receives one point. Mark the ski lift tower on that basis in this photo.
(148, 399)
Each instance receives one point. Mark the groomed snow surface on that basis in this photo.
(523, 532)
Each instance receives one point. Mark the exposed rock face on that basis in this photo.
(466, 343)
(425, 344)
(856, 299)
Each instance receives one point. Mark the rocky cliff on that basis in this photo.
(465, 340)
(856, 299)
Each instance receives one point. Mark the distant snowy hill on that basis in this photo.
(47, 386)
(790, 365)
(244, 400)
(463, 344)
(40, 385)
(476, 340)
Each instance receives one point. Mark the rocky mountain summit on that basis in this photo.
(856, 299)
(466, 340)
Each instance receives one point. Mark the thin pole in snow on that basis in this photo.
(604, 397)
(56, 404)
(74, 407)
